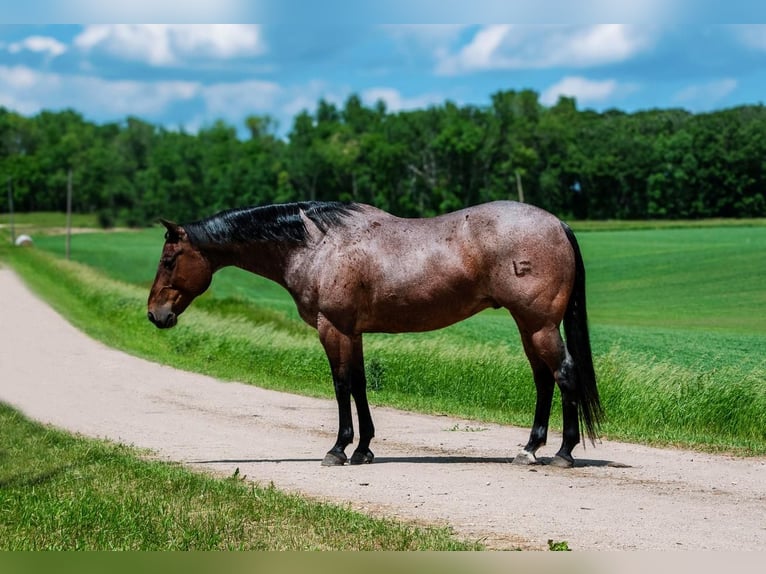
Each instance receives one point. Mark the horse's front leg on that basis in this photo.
(362, 454)
(347, 365)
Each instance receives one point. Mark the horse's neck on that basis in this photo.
(267, 259)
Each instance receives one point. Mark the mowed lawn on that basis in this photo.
(711, 279)
(694, 297)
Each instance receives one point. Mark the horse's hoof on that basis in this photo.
(524, 458)
(561, 462)
(362, 457)
(334, 459)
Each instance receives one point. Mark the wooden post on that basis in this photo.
(68, 211)
(10, 210)
(518, 187)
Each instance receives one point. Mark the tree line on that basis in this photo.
(661, 163)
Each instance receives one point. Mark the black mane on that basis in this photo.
(280, 222)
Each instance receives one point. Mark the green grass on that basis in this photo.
(649, 224)
(60, 492)
(708, 278)
(677, 340)
(46, 222)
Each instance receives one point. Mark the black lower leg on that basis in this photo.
(571, 429)
(571, 433)
(544, 383)
(337, 455)
(362, 454)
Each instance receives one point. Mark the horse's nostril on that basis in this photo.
(162, 321)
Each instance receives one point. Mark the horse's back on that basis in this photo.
(509, 220)
(386, 273)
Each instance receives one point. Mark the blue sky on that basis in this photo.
(192, 74)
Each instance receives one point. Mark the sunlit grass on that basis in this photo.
(59, 492)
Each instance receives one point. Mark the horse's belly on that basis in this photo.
(397, 314)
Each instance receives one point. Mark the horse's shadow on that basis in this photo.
(542, 462)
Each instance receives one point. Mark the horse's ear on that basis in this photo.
(175, 232)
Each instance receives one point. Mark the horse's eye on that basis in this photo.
(167, 262)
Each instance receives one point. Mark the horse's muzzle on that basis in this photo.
(163, 321)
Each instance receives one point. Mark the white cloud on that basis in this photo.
(234, 101)
(136, 98)
(29, 91)
(19, 77)
(585, 91)
(395, 102)
(703, 96)
(305, 97)
(482, 52)
(507, 47)
(43, 44)
(166, 45)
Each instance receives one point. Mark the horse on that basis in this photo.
(353, 269)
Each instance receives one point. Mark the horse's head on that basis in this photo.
(183, 274)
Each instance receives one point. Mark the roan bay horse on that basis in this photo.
(355, 269)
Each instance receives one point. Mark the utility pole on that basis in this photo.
(10, 210)
(519, 188)
(68, 211)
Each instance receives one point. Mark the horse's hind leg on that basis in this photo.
(565, 377)
(544, 383)
(538, 436)
(551, 363)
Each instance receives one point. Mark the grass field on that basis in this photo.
(59, 492)
(675, 318)
(46, 223)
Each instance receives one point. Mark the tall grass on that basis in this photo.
(715, 407)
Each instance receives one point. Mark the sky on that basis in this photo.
(189, 75)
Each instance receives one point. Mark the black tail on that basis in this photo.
(578, 344)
